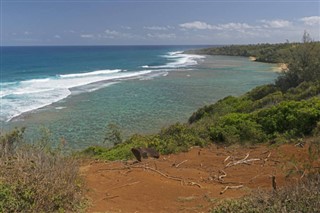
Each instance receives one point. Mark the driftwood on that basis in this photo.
(242, 161)
(230, 187)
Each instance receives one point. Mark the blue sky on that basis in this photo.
(147, 22)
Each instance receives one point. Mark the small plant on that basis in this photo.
(113, 135)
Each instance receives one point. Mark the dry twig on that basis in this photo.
(230, 187)
(181, 163)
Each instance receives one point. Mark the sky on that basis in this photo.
(157, 22)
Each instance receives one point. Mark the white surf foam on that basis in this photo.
(98, 72)
(179, 60)
(25, 96)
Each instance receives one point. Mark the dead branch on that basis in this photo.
(266, 159)
(243, 161)
(157, 171)
(226, 159)
(181, 163)
(230, 187)
(195, 184)
(251, 180)
(222, 176)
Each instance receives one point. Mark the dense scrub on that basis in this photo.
(271, 53)
(36, 178)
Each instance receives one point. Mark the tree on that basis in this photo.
(303, 64)
(113, 134)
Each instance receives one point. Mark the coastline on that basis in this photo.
(148, 104)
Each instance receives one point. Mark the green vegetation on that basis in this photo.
(270, 53)
(36, 178)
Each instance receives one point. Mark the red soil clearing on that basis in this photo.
(189, 182)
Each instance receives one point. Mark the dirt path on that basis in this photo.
(187, 182)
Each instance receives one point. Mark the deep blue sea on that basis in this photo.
(76, 91)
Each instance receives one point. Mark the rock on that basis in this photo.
(144, 153)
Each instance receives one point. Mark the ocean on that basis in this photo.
(76, 91)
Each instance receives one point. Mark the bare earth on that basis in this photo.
(188, 182)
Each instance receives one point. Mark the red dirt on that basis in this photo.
(187, 182)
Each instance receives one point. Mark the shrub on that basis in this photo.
(37, 179)
(261, 91)
(297, 117)
(237, 127)
(177, 138)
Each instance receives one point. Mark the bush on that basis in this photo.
(177, 138)
(294, 117)
(37, 179)
(237, 127)
(261, 91)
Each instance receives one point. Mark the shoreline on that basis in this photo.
(145, 105)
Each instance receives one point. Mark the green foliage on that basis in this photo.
(237, 127)
(292, 117)
(261, 91)
(271, 53)
(303, 64)
(119, 152)
(177, 138)
(227, 105)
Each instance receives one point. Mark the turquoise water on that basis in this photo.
(175, 87)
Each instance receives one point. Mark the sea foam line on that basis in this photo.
(178, 59)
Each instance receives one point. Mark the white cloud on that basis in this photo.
(161, 36)
(126, 27)
(112, 32)
(163, 28)
(235, 26)
(278, 23)
(197, 25)
(87, 36)
(57, 36)
(311, 20)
